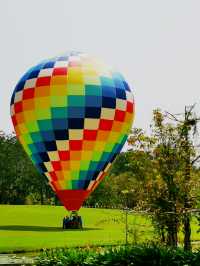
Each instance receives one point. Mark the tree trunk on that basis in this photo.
(172, 234)
(162, 234)
(187, 231)
(56, 200)
(41, 196)
(172, 216)
(187, 205)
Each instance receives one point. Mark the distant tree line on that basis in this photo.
(158, 175)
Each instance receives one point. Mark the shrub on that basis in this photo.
(137, 255)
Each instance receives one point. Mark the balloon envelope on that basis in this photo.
(72, 114)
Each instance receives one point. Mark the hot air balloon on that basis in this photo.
(72, 115)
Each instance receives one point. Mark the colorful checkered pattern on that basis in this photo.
(72, 114)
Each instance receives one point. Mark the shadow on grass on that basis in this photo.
(41, 228)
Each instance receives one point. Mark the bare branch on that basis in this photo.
(188, 112)
(172, 116)
(195, 160)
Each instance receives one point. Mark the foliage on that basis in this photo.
(109, 199)
(138, 255)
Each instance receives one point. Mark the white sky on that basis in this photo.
(154, 43)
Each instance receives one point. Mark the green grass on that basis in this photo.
(29, 228)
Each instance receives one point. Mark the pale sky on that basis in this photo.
(154, 43)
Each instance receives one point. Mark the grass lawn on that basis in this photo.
(29, 228)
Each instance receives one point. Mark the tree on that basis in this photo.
(187, 130)
(165, 186)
